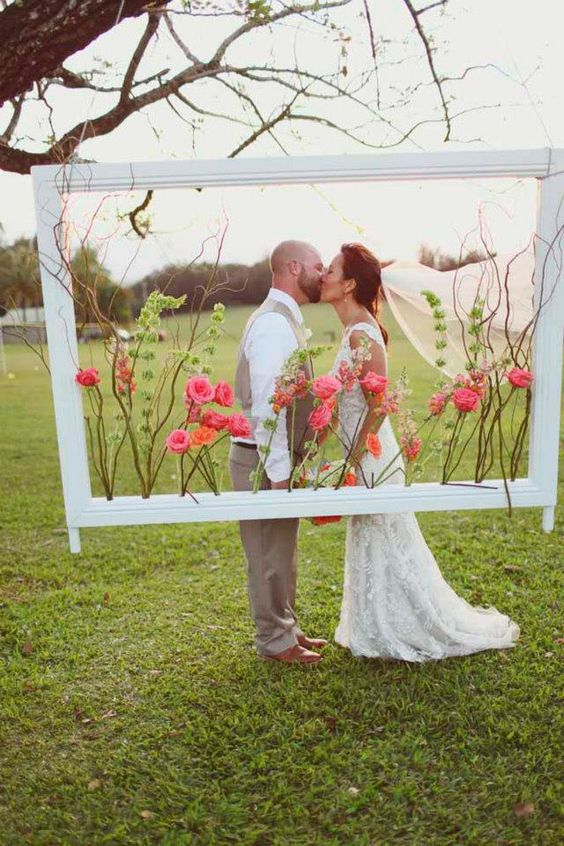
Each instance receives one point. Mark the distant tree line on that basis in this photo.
(20, 283)
(239, 284)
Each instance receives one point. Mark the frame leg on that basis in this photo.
(74, 539)
(548, 518)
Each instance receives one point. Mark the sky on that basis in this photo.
(519, 88)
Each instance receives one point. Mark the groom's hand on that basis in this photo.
(279, 486)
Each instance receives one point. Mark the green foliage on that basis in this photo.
(92, 281)
(20, 285)
(150, 315)
(240, 284)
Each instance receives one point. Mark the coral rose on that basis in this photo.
(465, 400)
(199, 390)
(350, 480)
(520, 378)
(374, 383)
(178, 441)
(88, 378)
(325, 386)
(437, 403)
(194, 411)
(320, 417)
(238, 426)
(373, 444)
(224, 394)
(214, 420)
(411, 448)
(203, 436)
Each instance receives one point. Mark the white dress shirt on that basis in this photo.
(269, 342)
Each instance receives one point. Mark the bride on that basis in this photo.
(396, 603)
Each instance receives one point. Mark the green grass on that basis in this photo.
(133, 710)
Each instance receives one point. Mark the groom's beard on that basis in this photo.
(310, 286)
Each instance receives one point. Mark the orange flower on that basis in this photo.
(350, 480)
(203, 436)
(373, 445)
(320, 521)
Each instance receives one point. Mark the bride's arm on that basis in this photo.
(376, 364)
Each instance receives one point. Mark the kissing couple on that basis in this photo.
(396, 604)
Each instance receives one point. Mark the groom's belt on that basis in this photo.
(244, 444)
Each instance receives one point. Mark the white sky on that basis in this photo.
(520, 39)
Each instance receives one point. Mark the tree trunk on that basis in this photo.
(36, 36)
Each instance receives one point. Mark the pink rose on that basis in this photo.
(224, 394)
(320, 417)
(194, 411)
(325, 386)
(374, 383)
(238, 426)
(199, 390)
(520, 378)
(214, 420)
(178, 441)
(88, 378)
(437, 403)
(465, 400)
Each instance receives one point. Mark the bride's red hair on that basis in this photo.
(362, 265)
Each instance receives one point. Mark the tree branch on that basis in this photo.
(150, 30)
(9, 131)
(423, 36)
(267, 21)
(266, 127)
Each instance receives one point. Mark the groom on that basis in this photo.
(272, 333)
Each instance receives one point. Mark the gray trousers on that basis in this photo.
(271, 550)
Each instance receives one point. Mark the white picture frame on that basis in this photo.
(53, 183)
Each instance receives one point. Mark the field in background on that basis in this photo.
(134, 712)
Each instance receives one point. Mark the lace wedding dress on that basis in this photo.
(396, 603)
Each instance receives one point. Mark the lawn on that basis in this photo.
(133, 710)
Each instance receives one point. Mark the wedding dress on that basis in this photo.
(396, 604)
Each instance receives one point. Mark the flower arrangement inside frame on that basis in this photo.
(142, 407)
(475, 422)
(315, 468)
(483, 413)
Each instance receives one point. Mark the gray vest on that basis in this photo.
(304, 407)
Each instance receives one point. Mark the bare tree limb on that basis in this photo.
(425, 41)
(267, 21)
(17, 103)
(266, 127)
(68, 79)
(431, 6)
(187, 52)
(150, 30)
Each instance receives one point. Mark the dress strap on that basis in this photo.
(370, 330)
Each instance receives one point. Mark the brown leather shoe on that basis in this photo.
(295, 654)
(311, 642)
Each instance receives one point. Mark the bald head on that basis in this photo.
(287, 251)
(296, 268)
